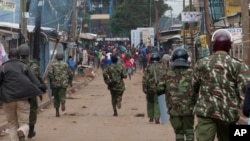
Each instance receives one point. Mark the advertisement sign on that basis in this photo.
(190, 17)
(236, 33)
(7, 6)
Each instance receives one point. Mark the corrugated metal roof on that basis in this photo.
(30, 28)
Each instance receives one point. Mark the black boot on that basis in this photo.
(57, 112)
(157, 120)
(151, 120)
(115, 113)
(63, 106)
(32, 133)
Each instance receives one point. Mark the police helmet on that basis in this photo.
(180, 57)
(155, 57)
(24, 50)
(59, 56)
(222, 40)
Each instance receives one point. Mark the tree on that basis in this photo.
(131, 14)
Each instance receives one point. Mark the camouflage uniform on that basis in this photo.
(113, 76)
(59, 73)
(180, 100)
(151, 75)
(217, 80)
(33, 101)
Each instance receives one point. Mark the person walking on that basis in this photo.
(59, 73)
(24, 52)
(176, 84)
(73, 66)
(113, 76)
(217, 81)
(149, 83)
(18, 84)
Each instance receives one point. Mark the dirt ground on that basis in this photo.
(89, 116)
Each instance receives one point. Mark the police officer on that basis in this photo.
(24, 52)
(59, 74)
(217, 80)
(176, 84)
(149, 82)
(113, 76)
(18, 84)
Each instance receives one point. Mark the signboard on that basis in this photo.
(236, 33)
(190, 17)
(7, 6)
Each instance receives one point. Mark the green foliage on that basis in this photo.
(131, 14)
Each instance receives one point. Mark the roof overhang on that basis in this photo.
(170, 37)
(100, 17)
(30, 28)
(88, 36)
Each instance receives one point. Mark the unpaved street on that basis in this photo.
(89, 117)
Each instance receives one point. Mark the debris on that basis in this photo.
(74, 122)
(4, 132)
(140, 115)
(134, 108)
(84, 107)
(72, 114)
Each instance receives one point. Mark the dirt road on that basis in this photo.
(89, 117)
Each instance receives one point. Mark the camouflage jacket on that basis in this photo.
(150, 78)
(178, 89)
(59, 74)
(113, 76)
(217, 80)
(35, 69)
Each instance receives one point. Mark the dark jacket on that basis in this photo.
(17, 81)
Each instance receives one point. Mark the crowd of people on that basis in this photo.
(208, 90)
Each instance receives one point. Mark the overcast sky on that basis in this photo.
(177, 6)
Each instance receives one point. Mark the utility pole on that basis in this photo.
(37, 30)
(208, 26)
(191, 36)
(23, 19)
(245, 29)
(184, 28)
(74, 21)
(150, 14)
(157, 25)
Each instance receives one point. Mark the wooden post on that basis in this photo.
(245, 29)
(73, 21)
(23, 19)
(208, 26)
(184, 28)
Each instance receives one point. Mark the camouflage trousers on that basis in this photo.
(207, 128)
(153, 110)
(116, 97)
(183, 127)
(33, 110)
(59, 94)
